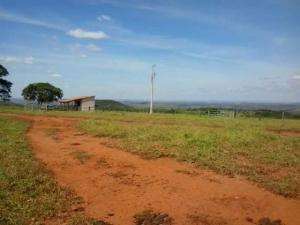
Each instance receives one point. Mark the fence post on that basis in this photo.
(282, 115)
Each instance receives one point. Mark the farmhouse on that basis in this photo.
(83, 103)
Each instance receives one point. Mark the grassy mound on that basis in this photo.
(111, 105)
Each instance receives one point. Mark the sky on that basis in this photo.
(217, 50)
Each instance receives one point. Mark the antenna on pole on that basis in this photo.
(152, 88)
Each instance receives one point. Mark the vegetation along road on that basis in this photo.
(237, 171)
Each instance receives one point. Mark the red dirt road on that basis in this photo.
(116, 184)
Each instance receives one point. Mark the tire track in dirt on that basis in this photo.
(116, 184)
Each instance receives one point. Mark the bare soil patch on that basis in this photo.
(117, 185)
(287, 133)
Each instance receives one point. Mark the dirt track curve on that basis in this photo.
(116, 184)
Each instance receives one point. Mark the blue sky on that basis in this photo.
(204, 50)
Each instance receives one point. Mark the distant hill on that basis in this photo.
(107, 104)
(19, 101)
(287, 107)
(9, 103)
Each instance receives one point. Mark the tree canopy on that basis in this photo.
(5, 85)
(42, 93)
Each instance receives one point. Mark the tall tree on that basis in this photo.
(5, 85)
(42, 93)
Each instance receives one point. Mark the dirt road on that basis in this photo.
(116, 185)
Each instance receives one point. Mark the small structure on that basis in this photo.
(83, 103)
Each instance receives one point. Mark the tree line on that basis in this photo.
(35, 92)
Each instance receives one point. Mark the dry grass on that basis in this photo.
(203, 219)
(81, 156)
(148, 217)
(52, 132)
(102, 163)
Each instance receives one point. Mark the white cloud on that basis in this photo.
(104, 18)
(83, 56)
(9, 59)
(26, 20)
(294, 83)
(13, 59)
(225, 19)
(296, 77)
(79, 33)
(55, 75)
(29, 60)
(93, 48)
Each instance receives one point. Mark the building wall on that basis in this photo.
(71, 103)
(88, 104)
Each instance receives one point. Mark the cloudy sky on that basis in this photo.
(222, 50)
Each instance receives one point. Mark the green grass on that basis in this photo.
(247, 147)
(29, 195)
(242, 146)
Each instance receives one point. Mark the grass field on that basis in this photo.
(28, 194)
(265, 151)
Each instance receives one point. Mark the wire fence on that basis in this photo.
(210, 112)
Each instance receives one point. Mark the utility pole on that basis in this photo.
(152, 88)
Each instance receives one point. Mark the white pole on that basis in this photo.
(152, 89)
